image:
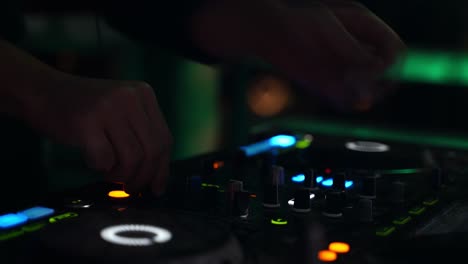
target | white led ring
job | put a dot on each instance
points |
(367, 146)
(111, 235)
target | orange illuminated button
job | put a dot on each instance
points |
(327, 256)
(119, 194)
(339, 247)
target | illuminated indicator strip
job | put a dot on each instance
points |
(160, 235)
(279, 141)
(385, 231)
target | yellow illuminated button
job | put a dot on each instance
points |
(430, 202)
(385, 231)
(417, 210)
(402, 220)
(327, 256)
(339, 247)
(118, 194)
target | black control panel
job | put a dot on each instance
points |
(286, 197)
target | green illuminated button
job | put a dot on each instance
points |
(402, 220)
(279, 221)
(57, 218)
(385, 231)
(33, 227)
(430, 202)
(417, 210)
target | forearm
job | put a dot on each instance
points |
(22, 79)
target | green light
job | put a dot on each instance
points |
(431, 202)
(402, 171)
(33, 227)
(11, 234)
(385, 231)
(210, 185)
(304, 142)
(279, 221)
(341, 129)
(57, 218)
(431, 66)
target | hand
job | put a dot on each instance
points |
(335, 49)
(117, 125)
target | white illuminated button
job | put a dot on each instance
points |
(114, 235)
(367, 146)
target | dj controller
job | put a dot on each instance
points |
(285, 197)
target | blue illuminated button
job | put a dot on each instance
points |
(37, 212)
(12, 220)
(298, 178)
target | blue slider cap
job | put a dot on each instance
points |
(12, 220)
(37, 212)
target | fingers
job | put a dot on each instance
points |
(158, 124)
(97, 148)
(139, 138)
(369, 29)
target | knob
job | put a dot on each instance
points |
(437, 179)
(273, 180)
(240, 204)
(301, 201)
(334, 203)
(398, 192)
(369, 186)
(364, 210)
(234, 187)
(339, 181)
(311, 179)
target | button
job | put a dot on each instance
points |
(302, 201)
(12, 220)
(61, 217)
(274, 178)
(430, 202)
(118, 194)
(417, 210)
(385, 231)
(402, 220)
(78, 203)
(365, 210)
(279, 221)
(327, 256)
(339, 247)
(37, 212)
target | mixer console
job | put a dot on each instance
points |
(286, 197)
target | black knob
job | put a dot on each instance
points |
(311, 179)
(274, 179)
(398, 192)
(339, 181)
(369, 186)
(234, 186)
(301, 201)
(437, 179)
(240, 204)
(364, 210)
(334, 203)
